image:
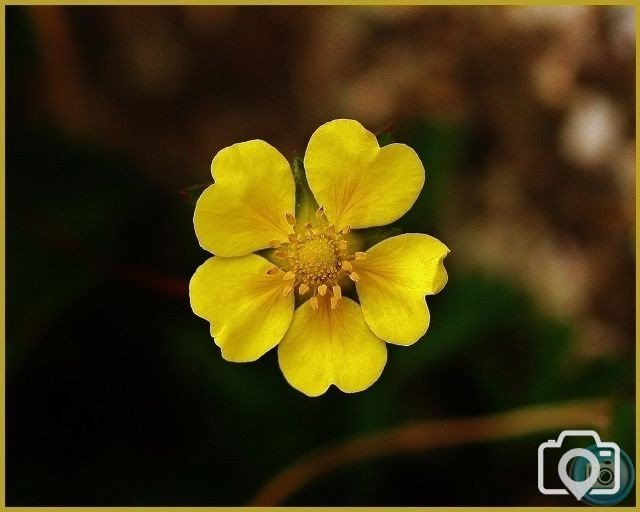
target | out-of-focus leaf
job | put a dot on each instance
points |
(439, 145)
(60, 239)
(467, 312)
(623, 430)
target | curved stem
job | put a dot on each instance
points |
(431, 434)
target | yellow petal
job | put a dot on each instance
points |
(245, 208)
(394, 279)
(243, 303)
(331, 346)
(358, 183)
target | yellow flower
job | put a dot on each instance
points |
(250, 301)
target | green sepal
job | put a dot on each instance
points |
(371, 236)
(192, 193)
(385, 136)
(306, 204)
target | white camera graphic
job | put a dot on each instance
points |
(602, 472)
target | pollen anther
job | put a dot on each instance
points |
(287, 290)
(291, 220)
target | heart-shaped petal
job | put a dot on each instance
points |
(243, 303)
(359, 183)
(331, 346)
(245, 208)
(394, 279)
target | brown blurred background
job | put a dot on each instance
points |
(524, 118)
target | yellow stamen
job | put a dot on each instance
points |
(317, 258)
(360, 255)
(354, 277)
(287, 290)
(308, 228)
(273, 271)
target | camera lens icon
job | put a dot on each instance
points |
(605, 478)
(601, 474)
(604, 490)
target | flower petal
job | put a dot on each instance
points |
(394, 279)
(244, 305)
(358, 183)
(331, 346)
(245, 208)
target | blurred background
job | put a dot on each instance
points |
(116, 394)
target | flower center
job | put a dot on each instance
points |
(315, 259)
